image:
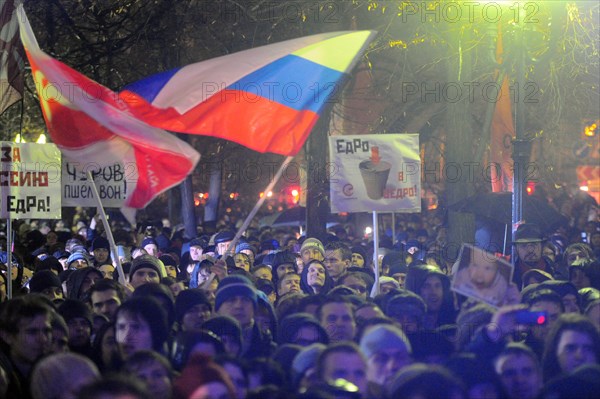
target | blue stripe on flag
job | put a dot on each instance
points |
(150, 87)
(292, 81)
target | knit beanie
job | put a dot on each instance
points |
(71, 309)
(232, 286)
(291, 324)
(79, 255)
(42, 280)
(148, 241)
(381, 337)
(100, 242)
(313, 243)
(244, 246)
(49, 263)
(224, 236)
(187, 299)
(406, 303)
(362, 251)
(147, 261)
(224, 325)
(282, 258)
(389, 280)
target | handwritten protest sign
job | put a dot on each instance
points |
(29, 181)
(114, 183)
(376, 172)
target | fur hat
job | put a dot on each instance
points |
(44, 279)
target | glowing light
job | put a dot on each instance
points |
(41, 139)
(295, 192)
(269, 194)
(368, 231)
(541, 319)
(19, 138)
(584, 188)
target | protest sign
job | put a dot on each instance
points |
(114, 183)
(481, 275)
(377, 172)
(29, 181)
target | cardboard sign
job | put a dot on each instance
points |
(114, 184)
(376, 172)
(29, 181)
(481, 275)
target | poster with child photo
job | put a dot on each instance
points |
(481, 275)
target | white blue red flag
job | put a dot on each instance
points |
(267, 98)
(93, 126)
(12, 57)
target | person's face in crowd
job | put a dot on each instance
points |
(262, 319)
(222, 247)
(105, 302)
(289, 283)
(194, 318)
(595, 240)
(211, 290)
(79, 264)
(249, 253)
(311, 253)
(203, 275)
(334, 263)
(368, 312)
(593, 313)
(284, 269)
(349, 366)
(32, 340)
(358, 260)
(384, 288)
(299, 264)
(240, 308)
(530, 252)
(108, 346)
(384, 364)
(549, 253)
(570, 303)
(401, 278)
(482, 271)
(132, 334)
(575, 348)
(196, 253)
(242, 261)
(575, 255)
(306, 335)
(408, 322)
(357, 284)
(79, 332)
(89, 280)
(553, 311)
(151, 249)
(337, 319)
(144, 275)
(520, 376)
(432, 293)
(176, 288)
(238, 378)
(156, 378)
(51, 238)
(264, 273)
(53, 293)
(108, 271)
(171, 271)
(100, 255)
(211, 390)
(60, 341)
(579, 279)
(232, 346)
(64, 263)
(316, 275)
(2, 290)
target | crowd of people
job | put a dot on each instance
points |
(278, 315)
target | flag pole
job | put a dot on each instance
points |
(259, 203)
(375, 289)
(109, 236)
(9, 285)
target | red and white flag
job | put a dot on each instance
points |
(92, 125)
(12, 56)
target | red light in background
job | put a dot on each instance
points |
(541, 320)
(530, 189)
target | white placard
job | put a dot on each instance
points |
(29, 181)
(114, 184)
(377, 172)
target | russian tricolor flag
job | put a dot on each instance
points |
(267, 98)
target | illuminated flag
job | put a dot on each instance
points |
(503, 132)
(267, 98)
(91, 125)
(11, 56)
